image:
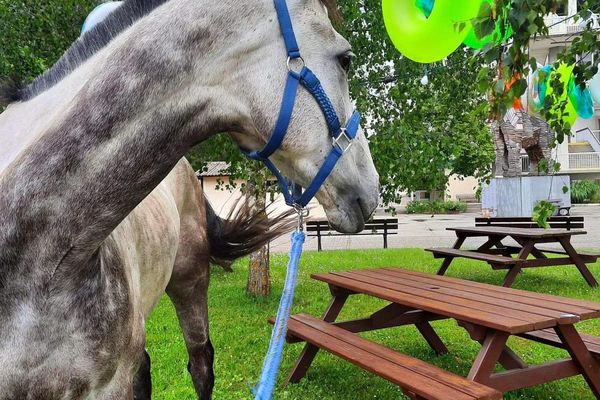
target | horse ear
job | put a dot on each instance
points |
(10, 91)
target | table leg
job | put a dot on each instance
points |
(310, 351)
(411, 395)
(574, 256)
(431, 337)
(491, 242)
(515, 269)
(483, 366)
(587, 364)
(508, 359)
(394, 311)
(460, 239)
(535, 252)
(511, 275)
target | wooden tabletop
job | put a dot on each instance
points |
(505, 309)
(517, 232)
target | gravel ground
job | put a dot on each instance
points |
(426, 231)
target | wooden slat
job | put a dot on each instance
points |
(578, 306)
(480, 317)
(514, 379)
(491, 258)
(548, 336)
(481, 296)
(410, 373)
(528, 219)
(517, 232)
(377, 224)
(533, 225)
(374, 221)
(493, 295)
(559, 251)
(427, 292)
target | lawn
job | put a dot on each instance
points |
(240, 333)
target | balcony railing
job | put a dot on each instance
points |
(559, 25)
(584, 161)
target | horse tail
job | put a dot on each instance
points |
(243, 232)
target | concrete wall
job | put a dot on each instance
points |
(462, 188)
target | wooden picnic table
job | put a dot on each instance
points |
(500, 255)
(490, 314)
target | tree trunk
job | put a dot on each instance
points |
(259, 280)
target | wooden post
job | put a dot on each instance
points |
(319, 248)
(385, 233)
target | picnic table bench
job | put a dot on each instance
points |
(376, 226)
(500, 255)
(490, 315)
(560, 222)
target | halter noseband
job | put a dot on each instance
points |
(342, 137)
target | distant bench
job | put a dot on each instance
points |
(567, 223)
(376, 226)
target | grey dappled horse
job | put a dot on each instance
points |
(98, 214)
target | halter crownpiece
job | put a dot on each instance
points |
(342, 137)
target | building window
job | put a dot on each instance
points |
(562, 8)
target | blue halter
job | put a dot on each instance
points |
(342, 137)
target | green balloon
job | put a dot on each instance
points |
(424, 39)
(565, 72)
(475, 43)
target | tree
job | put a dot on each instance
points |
(423, 133)
(510, 61)
(36, 33)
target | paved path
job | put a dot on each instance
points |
(427, 231)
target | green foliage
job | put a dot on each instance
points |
(422, 133)
(584, 191)
(541, 212)
(435, 207)
(511, 61)
(35, 34)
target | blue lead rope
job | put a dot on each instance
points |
(299, 75)
(266, 383)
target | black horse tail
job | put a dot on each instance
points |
(244, 231)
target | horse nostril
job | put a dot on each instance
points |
(364, 208)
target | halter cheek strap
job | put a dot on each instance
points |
(342, 138)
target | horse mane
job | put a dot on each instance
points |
(93, 41)
(334, 11)
(82, 49)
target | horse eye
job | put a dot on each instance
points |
(345, 61)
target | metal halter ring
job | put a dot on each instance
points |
(302, 213)
(343, 141)
(301, 65)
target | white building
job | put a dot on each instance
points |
(579, 155)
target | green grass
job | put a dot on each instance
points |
(240, 333)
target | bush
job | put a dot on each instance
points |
(36, 33)
(585, 191)
(435, 207)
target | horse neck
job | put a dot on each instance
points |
(119, 137)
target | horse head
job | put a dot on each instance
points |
(350, 194)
